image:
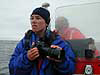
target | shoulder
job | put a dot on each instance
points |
(27, 36)
(21, 42)
(77, 34)
(59, 41)
(73, 29)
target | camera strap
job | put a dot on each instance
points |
(48, 39)
(28, 35)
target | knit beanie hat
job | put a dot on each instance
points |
(44, 13)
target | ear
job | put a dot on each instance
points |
(48, 21)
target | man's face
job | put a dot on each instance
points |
(38, 23)
(61, 22)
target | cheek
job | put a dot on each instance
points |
(42, 24)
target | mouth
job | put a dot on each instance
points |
(34, 25)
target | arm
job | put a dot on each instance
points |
(19, 63)
(68, 65)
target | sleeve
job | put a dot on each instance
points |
(68, 65)
(19, 62)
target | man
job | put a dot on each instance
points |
(33, 59)
(67, 33)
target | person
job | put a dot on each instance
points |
(30, 58)
(67, 32)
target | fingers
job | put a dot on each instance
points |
(33, 53)
(55, 46)
(56, 31)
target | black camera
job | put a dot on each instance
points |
(44, 50)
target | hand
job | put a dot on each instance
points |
(33, 53)
(56, 31)
(50, 58)
(55, 46)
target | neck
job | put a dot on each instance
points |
(41, 33)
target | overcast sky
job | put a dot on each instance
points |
(14, 15)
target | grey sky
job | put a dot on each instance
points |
(14, 15)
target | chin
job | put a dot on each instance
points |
(34, 30)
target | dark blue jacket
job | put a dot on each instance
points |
(20, 64)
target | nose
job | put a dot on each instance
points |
(33, 19)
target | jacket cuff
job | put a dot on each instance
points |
(26, 60)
